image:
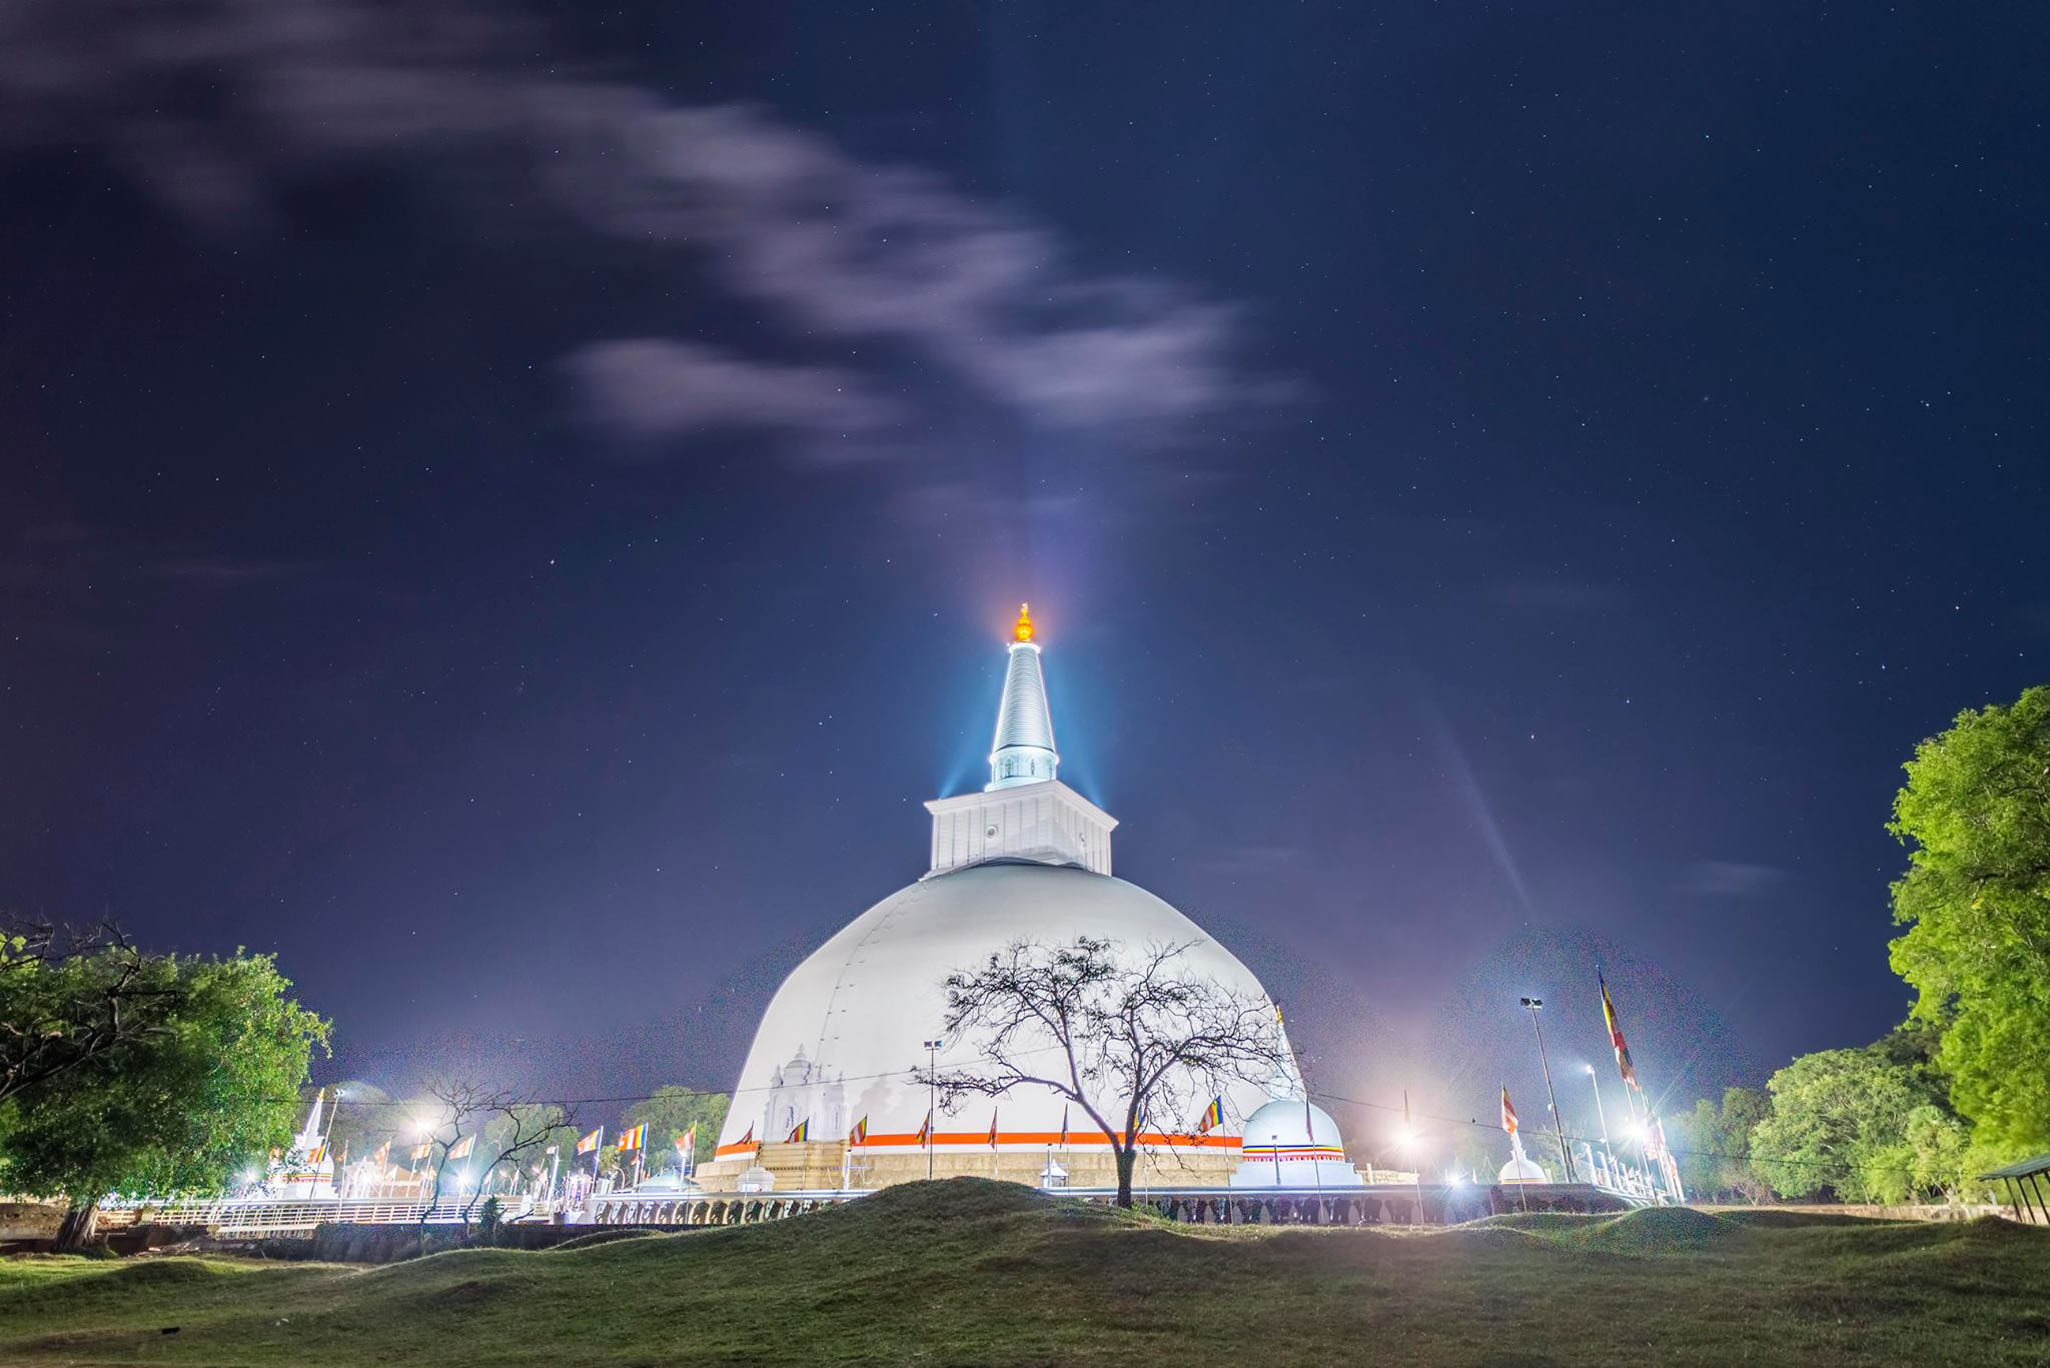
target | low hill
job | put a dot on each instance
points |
(972, 1272)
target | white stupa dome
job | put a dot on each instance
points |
(842, 1035)
(1281, 1150)
(1521, 1168)
(1025, 859)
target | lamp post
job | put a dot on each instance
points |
(1595, 1081)
(932, 1093)
(1410, 1143)
(1565, 1155)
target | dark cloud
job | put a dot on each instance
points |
(205, 103)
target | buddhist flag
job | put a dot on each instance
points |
(319, 1153)
(1508, 1112)
(422, 1150)
(992, 1127)
(461, 1148)
(632, 1138)
(589, 1143)
(925, 1131)
(1213, 1117)
(1623, 1064)
(801, 1134)
(859, 1135)
(383, 1153)
(1064, 1126)
(687, 1143)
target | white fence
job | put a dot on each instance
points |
(271, 1216)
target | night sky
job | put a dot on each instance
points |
(513, 509)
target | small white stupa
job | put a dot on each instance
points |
(307, 1170)
(1290, 1142)
(1521, 1168)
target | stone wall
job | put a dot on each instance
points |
(1922, 1211)
(816, 1166)
(29, 1220)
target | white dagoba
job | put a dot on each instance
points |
(1521, 1168)
(1026, 858)
(308, 1170)
(1291, 1142)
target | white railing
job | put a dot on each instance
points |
(271, 1216)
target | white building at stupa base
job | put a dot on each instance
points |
(827, 1098)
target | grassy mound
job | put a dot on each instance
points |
(1654, 1229)
(973, 1272)
(609, 1235)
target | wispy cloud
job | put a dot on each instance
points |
(1730, 878)
(225, 572)
(832, 246)
(654, 387)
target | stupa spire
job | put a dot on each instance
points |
(1023, 750)
(1025, 814)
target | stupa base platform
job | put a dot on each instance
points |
(1398, 1204)
(816, 1166)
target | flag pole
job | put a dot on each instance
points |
(932, 1099)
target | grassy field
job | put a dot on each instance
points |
(971, 1272)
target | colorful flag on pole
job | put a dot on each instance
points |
(1508, 1112)
(383, 1154)
(859, 1135)
(801, 1134)
(422, 1150)
(992, 1127)
(632, 1138)
(319, 1152)
(1623, 1064)
(1213, 1117)
(1064, 1126)
(687, 1143)
(589, 1143)
(461, 1148)
(925, 1131)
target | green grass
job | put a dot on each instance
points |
(971, 1272)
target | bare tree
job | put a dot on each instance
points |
(1124, 1036)
(467, 1120)
(72, 998)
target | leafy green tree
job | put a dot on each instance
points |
(176, 1112)
(1839, 1123)
(1975, 813)
(1713, 1145)
(69, 1000)
(1938, 1146)
(670, 1111)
